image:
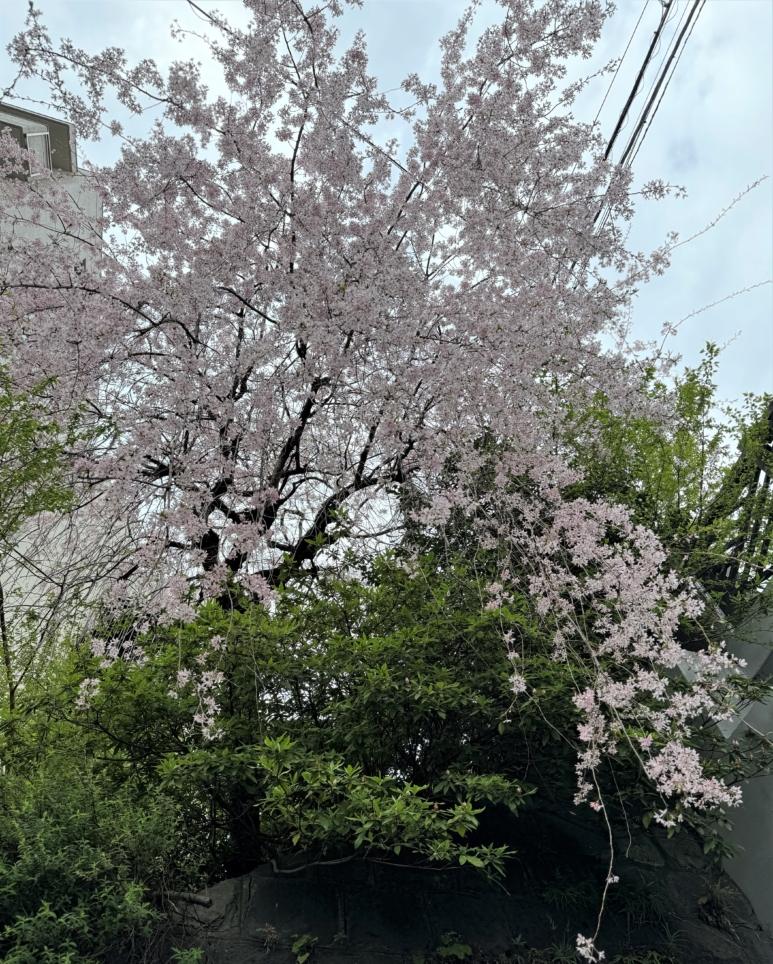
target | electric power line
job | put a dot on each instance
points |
(617, 69)
(640, 76)
(658, 70)
(679, 46)
(657, 88)
(697, 9)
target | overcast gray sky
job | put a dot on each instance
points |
(713, 134)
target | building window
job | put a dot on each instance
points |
(39, 146)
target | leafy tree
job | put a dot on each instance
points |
(87, 851)
(32, 478)
(369, 718)
(78, 857)
(692, 473)
(303, 321)
(339, 702)
(32, 481)
(128, 801)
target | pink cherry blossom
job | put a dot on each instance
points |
(287, 321)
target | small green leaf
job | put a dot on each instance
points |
(459, 951)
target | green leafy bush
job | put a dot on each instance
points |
(87, 850)
(77, 859)
(360, 718)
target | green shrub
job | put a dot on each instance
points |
(80, 860)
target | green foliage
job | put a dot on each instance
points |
(638, 905)
(33, 480)
(31, 459)
(565, 893)
(451, 946)
(358, 719)
(303, 947)
(565, 953)
(715, 905)
(193, 955)
(647, 956)
(666, 469)
(320, 803)
(685, 474)
(78, 858)
(86, 848)
(369, 717)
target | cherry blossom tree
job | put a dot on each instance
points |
(286, 325)
(289, 320)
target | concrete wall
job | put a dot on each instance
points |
(369, 913)
(18, 222)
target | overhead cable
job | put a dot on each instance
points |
(657, 89)
(620, 64)
(633, 147)
(664, 18)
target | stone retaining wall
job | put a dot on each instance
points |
(377, 914)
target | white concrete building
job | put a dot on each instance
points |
(53, 145)
(53, 561)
